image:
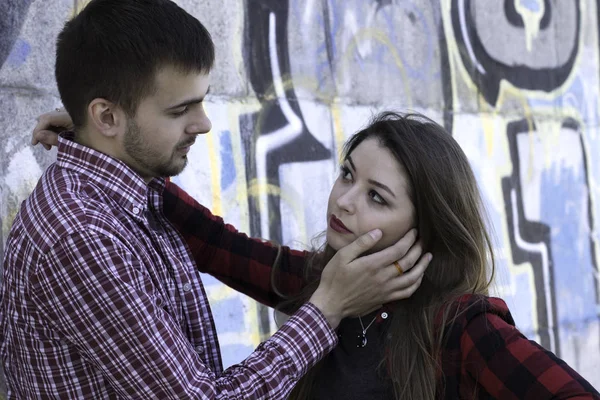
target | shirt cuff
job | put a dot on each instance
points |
(306, 337)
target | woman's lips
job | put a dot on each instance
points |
(338, 225)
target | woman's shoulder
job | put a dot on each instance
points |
(466, 309)
(472, 305)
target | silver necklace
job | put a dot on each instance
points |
(362, 337)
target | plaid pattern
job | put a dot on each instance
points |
(486, 357)
(101, 298)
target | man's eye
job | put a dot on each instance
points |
(180, 112)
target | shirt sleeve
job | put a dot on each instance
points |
(507, 365)
(243, 263)
(92, 291)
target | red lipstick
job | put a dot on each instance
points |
(338, 225)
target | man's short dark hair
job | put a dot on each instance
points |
(113, 49)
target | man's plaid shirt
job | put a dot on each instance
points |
(102, 299)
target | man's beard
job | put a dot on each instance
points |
(150, 159)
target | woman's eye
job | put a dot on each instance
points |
(345, 173)
(377, 198)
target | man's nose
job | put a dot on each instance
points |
(201, 125)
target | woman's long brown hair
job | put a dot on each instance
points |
(451, 225)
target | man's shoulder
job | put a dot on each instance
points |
(62, 204)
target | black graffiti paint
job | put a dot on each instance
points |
(488, 67)
(531, 232)
(270, 119)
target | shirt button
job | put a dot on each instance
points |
(384, 315)
(187, 287)
(136, 210)
(200, 349)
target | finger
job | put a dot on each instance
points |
(406, 280)
(40, 126)
(406, 292)
(410, 259)
(46, 137)
(359, 246)
(392, 253)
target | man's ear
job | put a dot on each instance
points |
(106, 117)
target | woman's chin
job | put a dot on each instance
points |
(334, 241)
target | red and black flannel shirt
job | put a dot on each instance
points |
(484, 353)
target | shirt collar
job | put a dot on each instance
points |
(113, 176)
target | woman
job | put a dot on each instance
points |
(449, 340)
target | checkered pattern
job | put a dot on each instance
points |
(101, 297)
(486, 357)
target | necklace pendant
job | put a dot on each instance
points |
(362, 340)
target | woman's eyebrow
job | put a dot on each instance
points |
(381, 185)
(371, 181)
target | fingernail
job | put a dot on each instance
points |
(429, 257)
(375, 234)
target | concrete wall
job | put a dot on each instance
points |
(515, 81)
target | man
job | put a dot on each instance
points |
(101, 295)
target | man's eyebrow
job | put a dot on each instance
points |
(381, 185)
(188, 102)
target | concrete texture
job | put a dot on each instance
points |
(517, 84)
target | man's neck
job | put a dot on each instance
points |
(96, 141)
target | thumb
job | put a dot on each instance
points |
(359, 246)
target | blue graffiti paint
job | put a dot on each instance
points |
(520, 299)
(229, 317)
(380, 52)
(566, 212)
(575, 92)
(531, 5)
(19, 53)
(227, 163)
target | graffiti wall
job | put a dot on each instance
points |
(517, 82)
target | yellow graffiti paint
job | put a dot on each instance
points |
(215, 174)
(338, 131)
(78, 6)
